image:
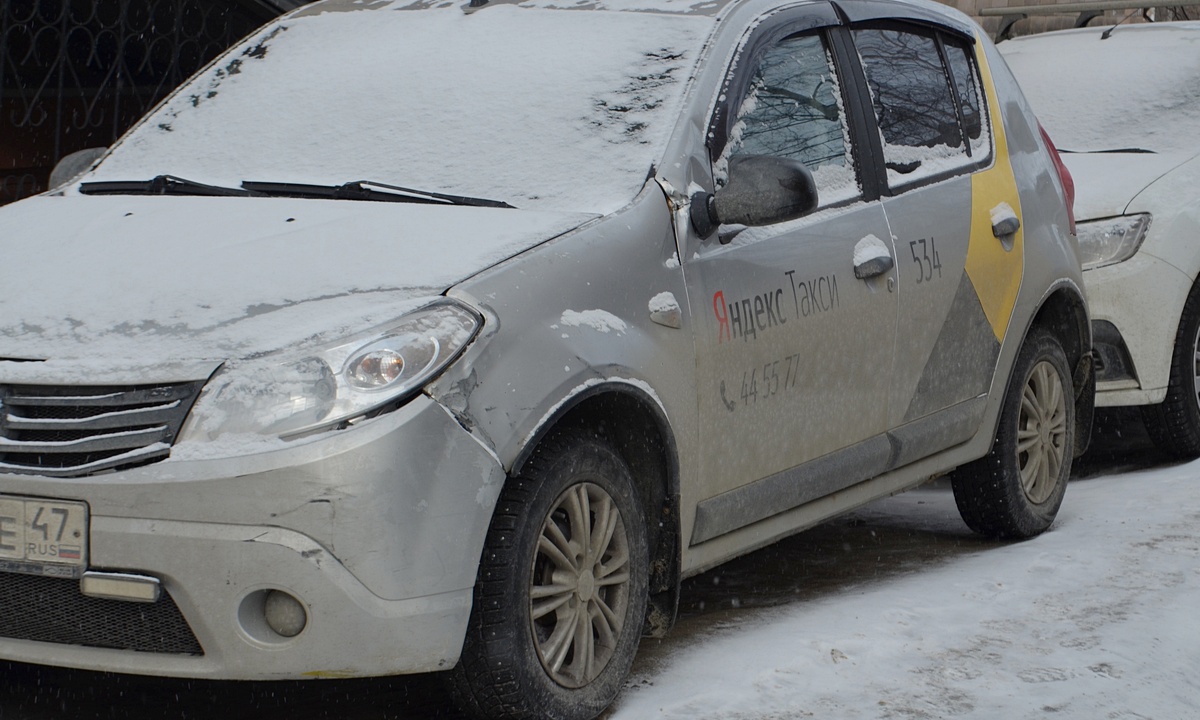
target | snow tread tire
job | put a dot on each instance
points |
(499, 675)
(988, 491)
(1174, 424)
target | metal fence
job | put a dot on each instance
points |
(77, 73)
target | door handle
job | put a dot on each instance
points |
(1004, 221)
(875, 266)
(872, 257)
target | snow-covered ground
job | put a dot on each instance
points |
(1097, 618)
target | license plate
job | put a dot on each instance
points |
(43, 537)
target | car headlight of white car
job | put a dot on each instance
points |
(335, 383)
(1111, 240)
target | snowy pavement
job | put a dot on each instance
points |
(1097, 618)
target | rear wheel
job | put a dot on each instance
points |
(1174, 424)
(1016, 489)
(561, 592)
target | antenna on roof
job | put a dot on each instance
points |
(1107, 33)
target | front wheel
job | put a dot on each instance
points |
(561, 592)
(1015, 490)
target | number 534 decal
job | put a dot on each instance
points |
(925, 255)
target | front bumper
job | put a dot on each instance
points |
(376, 529)
(1142, 298)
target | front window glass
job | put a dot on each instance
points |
(793, 109)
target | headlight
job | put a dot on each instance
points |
(336, 382)
(1109, 241)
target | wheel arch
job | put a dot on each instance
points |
(1063, 313)
(634, 422)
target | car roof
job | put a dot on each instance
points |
(672, 7)
(853, 10)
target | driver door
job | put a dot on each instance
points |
(794, 351)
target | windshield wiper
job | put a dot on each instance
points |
(367, 190)
(158, 185)
(1135, 150)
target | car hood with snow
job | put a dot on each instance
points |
(1097, 99)
(107, 268)
(125, 282)
(1107, 182)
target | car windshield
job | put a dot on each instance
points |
(1137, 88)
(539, 108)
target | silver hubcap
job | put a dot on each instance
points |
(1042, 432)
(580, 588)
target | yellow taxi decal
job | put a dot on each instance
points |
(994, 267)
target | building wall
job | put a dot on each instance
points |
(1043, 23)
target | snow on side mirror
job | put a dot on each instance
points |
(762, 190)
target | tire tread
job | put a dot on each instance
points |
(1174, 424)
(988, 491)
(488, 682)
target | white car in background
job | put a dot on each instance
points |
(1123, 105)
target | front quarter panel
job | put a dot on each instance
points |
(1174, 202)
(1144, 296)
(568, 317)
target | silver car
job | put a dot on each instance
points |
(415, 336)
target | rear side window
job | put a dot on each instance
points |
(966, 87)
(925, 94)
(794, 109)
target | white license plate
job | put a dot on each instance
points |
(43, 537)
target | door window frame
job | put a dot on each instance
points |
(939, 35)
(836, 26)
(806, 20)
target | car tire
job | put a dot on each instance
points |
(1016, 489)
(1174, 424)
(558, 608)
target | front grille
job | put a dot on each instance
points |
(65, 431)
(50, 609)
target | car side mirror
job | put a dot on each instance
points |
(762, 190)
(74, 165)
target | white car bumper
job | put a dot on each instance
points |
(1142, 298)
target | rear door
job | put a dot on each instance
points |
(945, 176)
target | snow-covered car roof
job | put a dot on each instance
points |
(690, 7)
(537, 107)
(1136, 88)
